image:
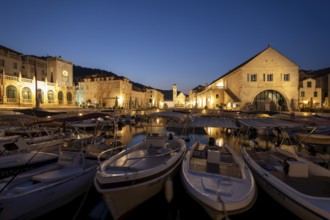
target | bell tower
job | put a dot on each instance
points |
(175, 92)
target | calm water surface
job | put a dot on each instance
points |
(183, 207)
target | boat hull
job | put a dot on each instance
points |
(45, 197)
(131, 177)
(121, 201)
(219, 194)
(301, 205)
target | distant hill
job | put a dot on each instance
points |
(81, 72)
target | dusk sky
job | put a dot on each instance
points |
(161, 42)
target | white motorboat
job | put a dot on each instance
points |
(41, 190)
(134, 175)
(295, 182)
(217, 176)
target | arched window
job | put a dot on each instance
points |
(27, 95)
(270, 100)
(69, 96)
(60, 96)
(50, 96)
(11, 92)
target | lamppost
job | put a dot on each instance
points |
(36, 82)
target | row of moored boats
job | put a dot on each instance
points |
(292, 166)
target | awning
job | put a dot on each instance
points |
(218, 122)
(260, 123)
(168, 114)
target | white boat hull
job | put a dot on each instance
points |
(218, 193)
(131, 177)
(302, 205)
(28, 201)
(122, 201)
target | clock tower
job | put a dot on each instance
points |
(61, 71)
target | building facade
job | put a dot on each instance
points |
(30, 81)
(115, 92)
(310, 96)
(267, 81)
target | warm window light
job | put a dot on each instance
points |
(120, 100)
(220, 141)
(220, 84)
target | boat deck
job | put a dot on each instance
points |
(226, 166)
(145, 157)
(312, 185)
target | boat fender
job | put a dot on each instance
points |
(169, 190)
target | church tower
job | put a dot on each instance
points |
(175, 92)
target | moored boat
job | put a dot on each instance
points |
(295, 182)
(139, 172)
(41, 190)
(216, 176)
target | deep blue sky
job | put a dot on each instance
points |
(162, 42)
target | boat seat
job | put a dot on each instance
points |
(297, 169)
(57, 175)
(213, 161)
(200, 154)
(213, 156)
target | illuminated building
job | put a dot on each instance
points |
(105, 91)
(24, 76)
(267, 81)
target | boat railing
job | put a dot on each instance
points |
(123, 148)
(149, 156)
(160, 153)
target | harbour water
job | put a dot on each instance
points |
(90, 206)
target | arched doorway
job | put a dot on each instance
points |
(270, 100)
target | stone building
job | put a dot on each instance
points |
(31, 81)
(155, 98)
(309, 94)
(174, 98)
(266, 81)
(322, 81)
(106, 91)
